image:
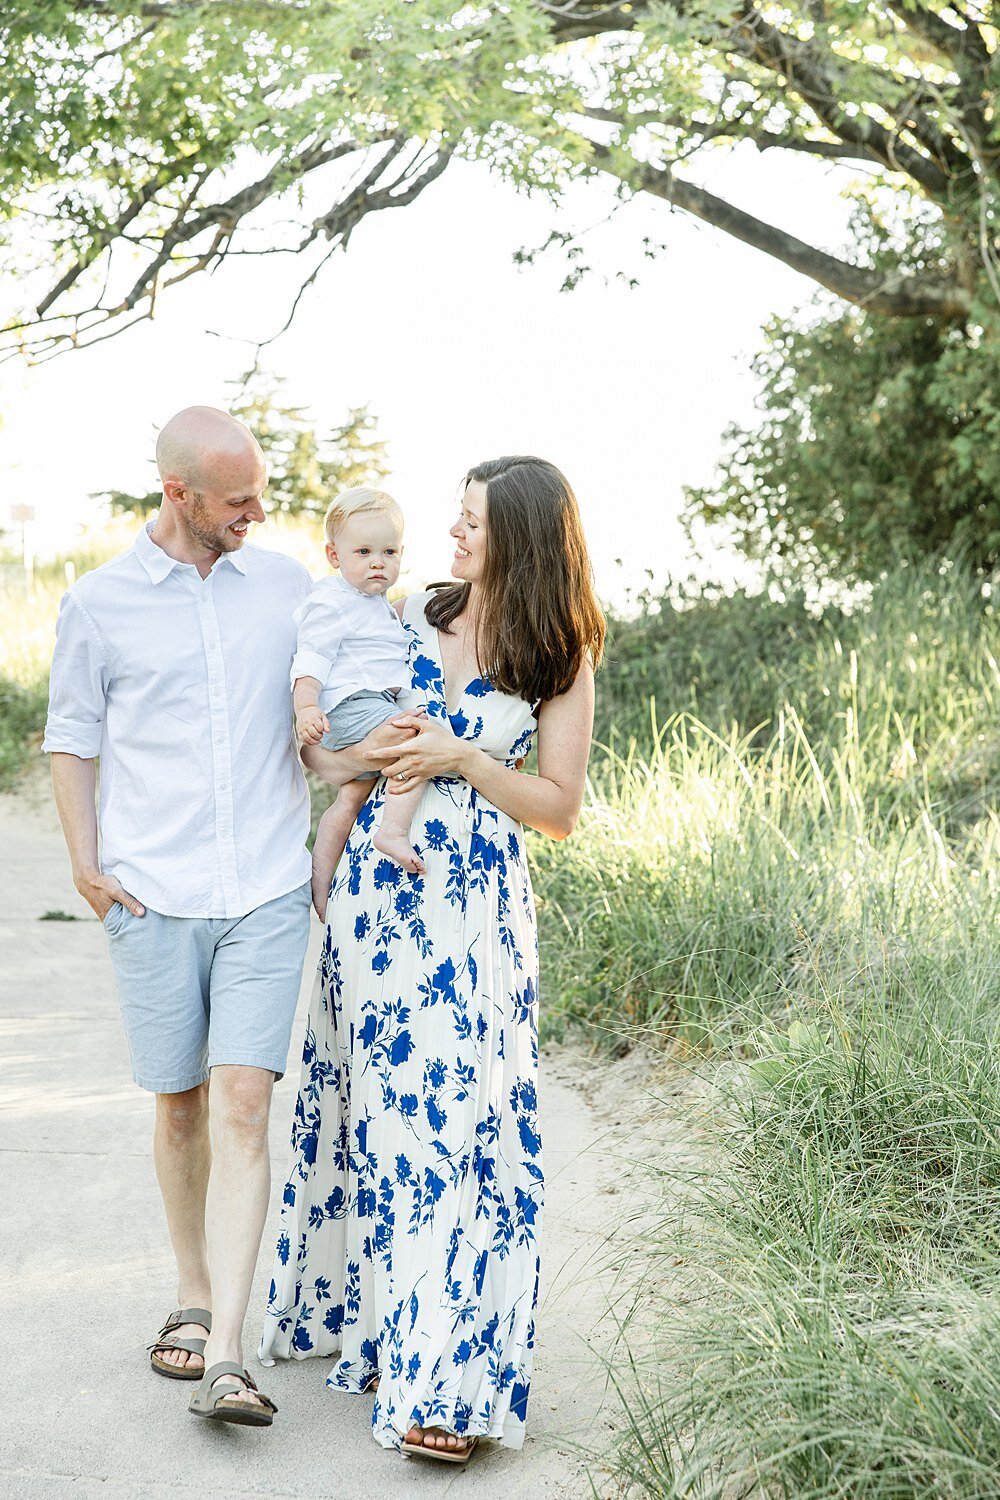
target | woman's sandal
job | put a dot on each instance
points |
(207, 1400)
(447, 1456)
(203, 1318)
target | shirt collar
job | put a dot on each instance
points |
(159, 564)
(348, 588)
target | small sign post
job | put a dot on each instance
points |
(23, 516)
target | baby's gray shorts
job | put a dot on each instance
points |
(355, 717)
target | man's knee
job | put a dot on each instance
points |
(183, 1116)
(241, 1102)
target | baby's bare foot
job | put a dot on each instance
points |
(398, 848)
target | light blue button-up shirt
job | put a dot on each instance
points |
(180, 685)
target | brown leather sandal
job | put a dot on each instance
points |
(203, 1318)
(207, 1399)
(452, 1456)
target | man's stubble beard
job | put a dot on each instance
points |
(199, 530)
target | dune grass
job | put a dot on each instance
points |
(840, 1255)
(723, 848)
(804, 906)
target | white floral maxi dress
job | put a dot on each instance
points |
(409, 1233)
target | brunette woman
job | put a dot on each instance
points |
(409, 1245)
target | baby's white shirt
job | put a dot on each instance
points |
(349, 641)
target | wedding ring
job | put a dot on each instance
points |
(400, 776)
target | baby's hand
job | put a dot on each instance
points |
(311, 724)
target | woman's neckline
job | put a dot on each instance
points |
(449, 708)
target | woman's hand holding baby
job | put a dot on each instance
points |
(433, 751)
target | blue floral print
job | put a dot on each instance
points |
(411, 1216)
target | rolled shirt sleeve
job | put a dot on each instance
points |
(78, 685)
(320, 622)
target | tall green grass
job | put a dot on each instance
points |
(924, 638)
(803, 901)
(840, 1249)
(718, 855)
(709, 878)
(27, 633)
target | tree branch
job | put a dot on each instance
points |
(165, 10)
(735, 130)
(364, 199)
(42, 337)
(801, 64)
(957, 43)
(225, 216)
(888, 295)
(342, 220)
(572, 22)
(798, 62)
(106, 237)
(972, 61)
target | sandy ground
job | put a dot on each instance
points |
(88, 1273)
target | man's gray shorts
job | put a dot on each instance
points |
(199, 991)
(354, 718)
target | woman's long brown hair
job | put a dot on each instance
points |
(538, 618)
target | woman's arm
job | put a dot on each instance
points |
(550, 801)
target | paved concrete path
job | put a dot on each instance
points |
(88, 1274)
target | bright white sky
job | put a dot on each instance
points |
(462, 356)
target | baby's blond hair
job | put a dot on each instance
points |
(360, 500)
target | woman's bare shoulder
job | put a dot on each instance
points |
(575, 705)
(410, 604)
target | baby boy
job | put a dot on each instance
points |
(350, 666)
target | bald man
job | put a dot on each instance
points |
(171, 668)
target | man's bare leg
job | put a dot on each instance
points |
(182, 1155)
(238, 1189)
(331, 836)
(393, 837)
